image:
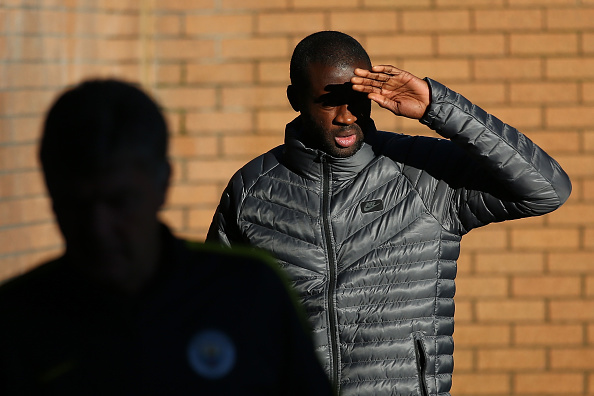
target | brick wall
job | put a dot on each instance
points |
(525, 300)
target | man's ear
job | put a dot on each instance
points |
(293, 96)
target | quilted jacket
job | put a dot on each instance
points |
(370, 242)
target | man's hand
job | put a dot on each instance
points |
(396, 90)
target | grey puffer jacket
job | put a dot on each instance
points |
(371, 241)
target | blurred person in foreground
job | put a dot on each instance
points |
(367, 224)
(129, 309)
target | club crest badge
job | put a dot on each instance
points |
(211, 354)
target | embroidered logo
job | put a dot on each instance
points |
(372, 206)
(211, 354)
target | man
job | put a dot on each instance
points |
(129, 309)
(367, 224)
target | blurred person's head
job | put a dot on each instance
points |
(104, 158)
(333, 115)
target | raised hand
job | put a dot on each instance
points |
(396, 90)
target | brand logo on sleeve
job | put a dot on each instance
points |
(372, 206)
(211, 354)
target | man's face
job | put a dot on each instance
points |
(333, 114)
(109, 220)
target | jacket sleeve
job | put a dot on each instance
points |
(505, 175)
(224, 229)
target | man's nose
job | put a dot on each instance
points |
(344, 115)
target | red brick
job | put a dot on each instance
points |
(188, 98)
(292, 23)
(544, 92)
(515, 310)
(508, 69)
(392, 3)
(565, 116)
(439, 69)
(589, 238)
(25, 102)
(590, 286)
(227, 122)
(546, 286)
(213, 170)
(174, 218)
(254, 4)
(15, 157)
(436, 21)
(399, 44)
(273, 72)
(574, 310)
(184, 5)
(489, 238)
(200, 218)
(543, 44)
(254, 48)
(479, 335)
(475, 286)
(328, 3)
(525, 116)
(557, 141)
(21, 184)
(573, 18)
(219, 24)
(588, 43)
(183, 49)
(481, 93)
(167, 24)
(190, 194)
(193, 146)
(511, 359)
(168, 74)
(221, 73)
(588, 189)
(464, 359)
(464, 313)
(273, 121)
(540, 3)
(570, 68)
(471, 44)
(25, 210)
(549, 383)
(22, 129)
(573, 214)
(30, 237)
(548, 334)
(546, 238)
(508, 19)
(250, 146)
(576, 165)
(254, 97)
(481, 384)
(364, 21)
(509, 263)
(572, 358)
(587, 94)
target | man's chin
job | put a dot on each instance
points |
(344, 152)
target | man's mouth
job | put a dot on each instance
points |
(345, 141)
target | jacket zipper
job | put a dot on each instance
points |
(332, 275)
(421, 365)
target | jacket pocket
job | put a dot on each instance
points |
(421, 363)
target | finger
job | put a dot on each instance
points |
(365, 88)
(387, 69)
(366, 81)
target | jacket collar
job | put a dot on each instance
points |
(307, 162)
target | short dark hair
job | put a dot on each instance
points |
(328, 48)
(98, 119)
